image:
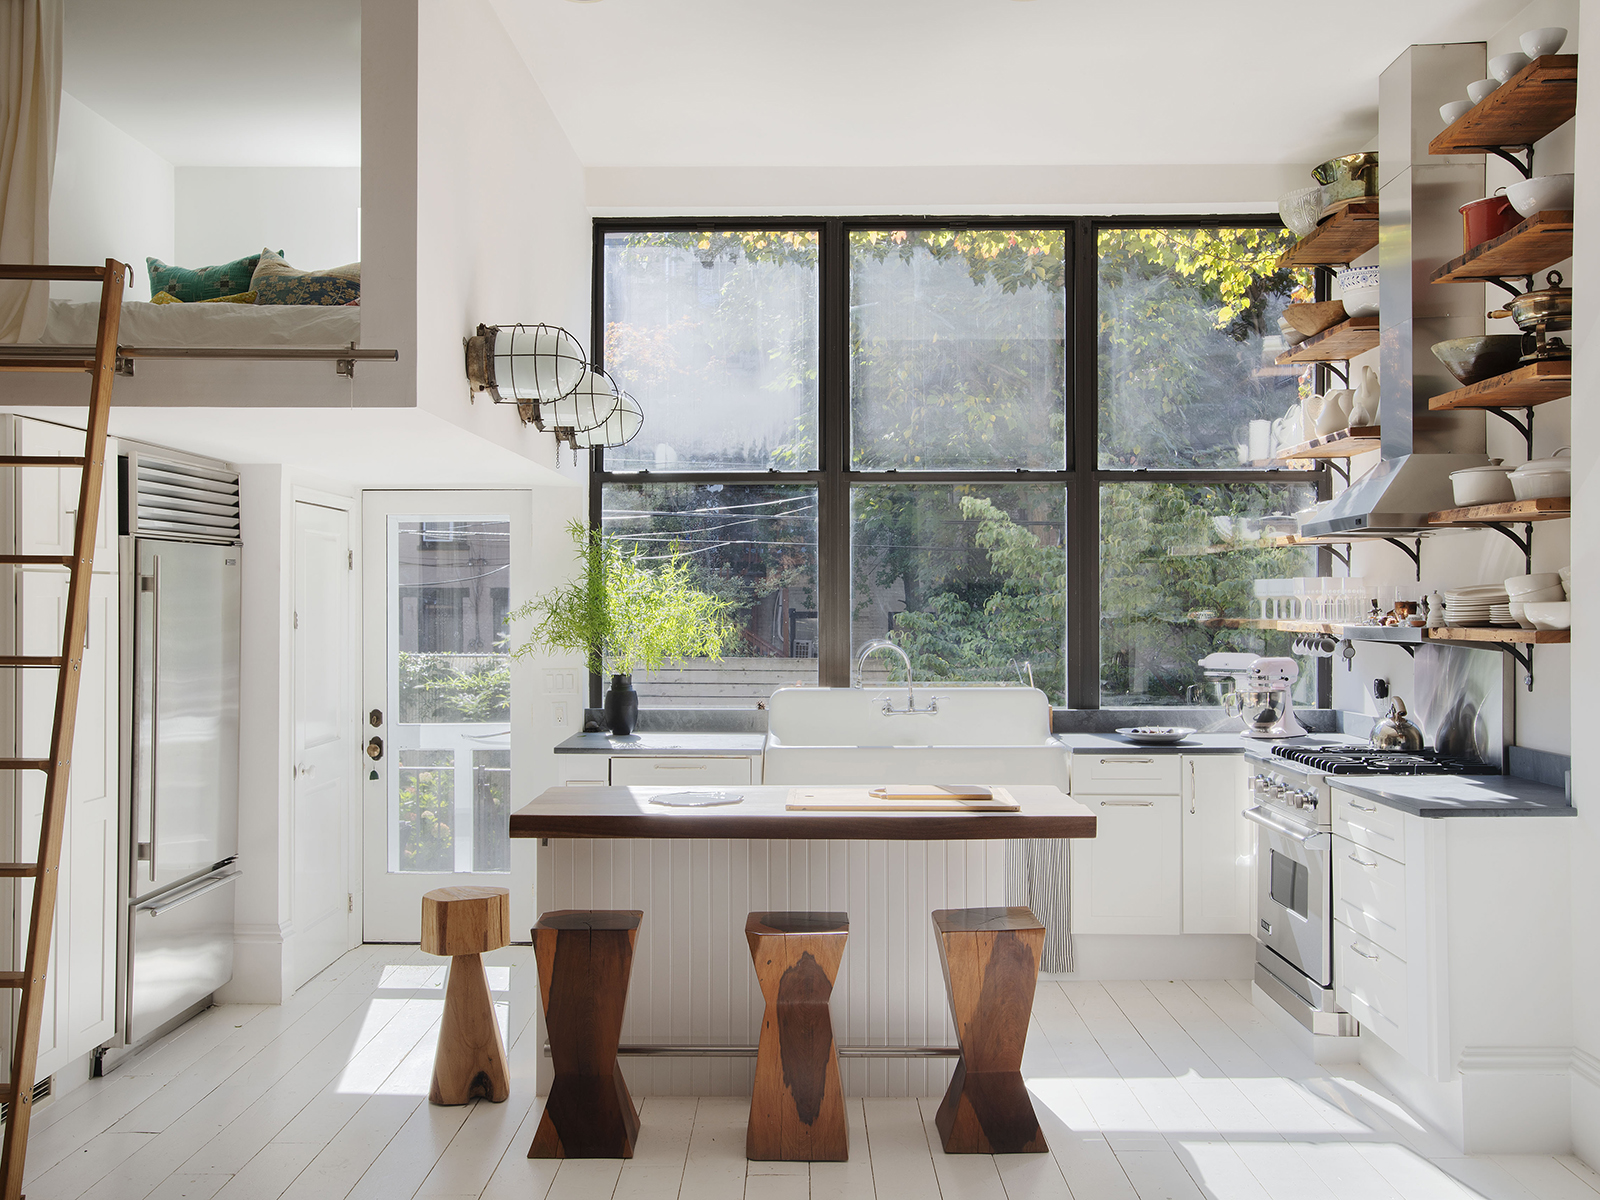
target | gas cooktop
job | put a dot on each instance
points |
(1346, 760)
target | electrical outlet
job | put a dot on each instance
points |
(558, 713)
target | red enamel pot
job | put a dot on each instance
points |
(1486, 219)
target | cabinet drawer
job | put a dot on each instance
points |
(1370, 983)
(1126, 774)
(1369, 894)
(1370, 824)
(583, 770)
(678, 771)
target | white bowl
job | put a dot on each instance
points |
(1520, 585)
(1481, 485)
(1566, 580)
(1548, 485)
(1541, 193)
(1542, 596)
(1554, 614)
(1504, 66)
(1518, 615)
(1358, 288)
(1538, 42)
(1455, 110)
(1480, 88)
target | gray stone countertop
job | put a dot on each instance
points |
(1195, 743)
(663, 743)
(1461, 795)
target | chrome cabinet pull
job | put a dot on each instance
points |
(1362, 952)
(155, 700)
(1124, 759)
(1358, 862)
(1191, 787)
(680, 767)
(1126, 803)
(1361, 807)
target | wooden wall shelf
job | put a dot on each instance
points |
(1512, 512)
(1338, 241)
(1541, 97)
(1541, 241)
(1489, 633)
(1535, 383)
(1344, 341)
(1346, 443)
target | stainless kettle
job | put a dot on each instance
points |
(1396, 731)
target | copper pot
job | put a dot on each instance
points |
(1486, 219)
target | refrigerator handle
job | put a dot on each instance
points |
(153, 583)
(208, 883)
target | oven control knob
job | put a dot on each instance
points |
(1308, 800)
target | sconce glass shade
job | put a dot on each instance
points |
(516, 364)
(620, 428)
(587, 406)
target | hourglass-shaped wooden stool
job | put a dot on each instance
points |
(585, 959)
(991, 965)
(463, 922)
(796, 1103)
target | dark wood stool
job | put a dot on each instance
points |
(797, 1104)
(991, 965)
(584, 962)
(470, 1060)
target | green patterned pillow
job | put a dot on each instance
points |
(201, 283)
(276, 282)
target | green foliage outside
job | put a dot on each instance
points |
(427, 807)
(622, 614)
(451, 689)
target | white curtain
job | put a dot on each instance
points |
(30, 106)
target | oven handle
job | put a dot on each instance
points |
(1312, 840)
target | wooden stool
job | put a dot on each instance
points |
(991, 964)
(797, 1104)
(584, 962)
(470, 1061)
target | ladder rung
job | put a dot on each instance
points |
(40, 460)
(24, 764)
(18, 870)
(31, 660)
(46, 364)
(36, 560)
(12, 979)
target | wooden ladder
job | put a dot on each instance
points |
(45, 872)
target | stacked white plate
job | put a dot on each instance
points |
(1499, 614)
(1476, 605)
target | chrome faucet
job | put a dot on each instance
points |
(873, 647)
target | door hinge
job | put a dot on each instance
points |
(350, 560)
(297, 620)
(349, 902)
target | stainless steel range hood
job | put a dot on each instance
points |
(1419, 228)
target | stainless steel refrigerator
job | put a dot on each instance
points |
(180, 678)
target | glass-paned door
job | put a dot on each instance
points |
(439, 681)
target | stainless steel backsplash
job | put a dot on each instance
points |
(1464, 701)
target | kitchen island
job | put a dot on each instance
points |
(697, 872)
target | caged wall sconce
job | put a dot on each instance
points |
(543, 370)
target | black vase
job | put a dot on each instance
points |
(622, 705)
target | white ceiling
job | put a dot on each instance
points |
(259, 83)
(973, 82)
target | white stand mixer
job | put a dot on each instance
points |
(1265, 701)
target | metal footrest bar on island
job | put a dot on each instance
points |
(671, 1050)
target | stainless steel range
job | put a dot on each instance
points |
(1291, 790)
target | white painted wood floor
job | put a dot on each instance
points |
(1148, 1091)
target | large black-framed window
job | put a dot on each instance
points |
(800, 374)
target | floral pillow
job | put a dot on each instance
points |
(276, 282)
(239, 298)
(201, 283)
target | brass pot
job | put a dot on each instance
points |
(1352, 177)
(1548, 309)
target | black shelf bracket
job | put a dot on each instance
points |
(1523, 425)
(1506, 152)
(1344, 376)
(1413, 552)
(1342, 557)
(1343, 472)
(1522, 541)
(1512, 289)
(1525, 659)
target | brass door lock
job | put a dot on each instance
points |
(375, 748)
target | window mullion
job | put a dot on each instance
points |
(833, 498)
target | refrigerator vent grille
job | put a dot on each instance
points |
(41, 1090)
(188, 501)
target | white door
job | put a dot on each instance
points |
(1128, 877)
(325, 753)
(441, 572)
(1218, 845)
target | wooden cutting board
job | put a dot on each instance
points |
(902, 798)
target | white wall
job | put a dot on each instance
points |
(112, 197)
(1585, 700)
(310, 213)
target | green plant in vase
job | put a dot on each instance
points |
(623, 614)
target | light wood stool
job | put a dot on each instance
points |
(463, 922)
(585, 959)
(796, 1104)
(991, 966)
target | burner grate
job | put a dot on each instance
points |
(1344, 760)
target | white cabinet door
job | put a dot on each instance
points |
(583, 770)
(1128, 877)
(47, 499)
(1217, 845)
(678, 771)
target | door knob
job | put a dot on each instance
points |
(375, 748)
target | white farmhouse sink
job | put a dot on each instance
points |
(978, 735)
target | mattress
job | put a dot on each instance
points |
(74, 323)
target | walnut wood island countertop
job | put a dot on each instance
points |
(626, 812)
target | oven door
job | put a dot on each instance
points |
(1294, 898)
